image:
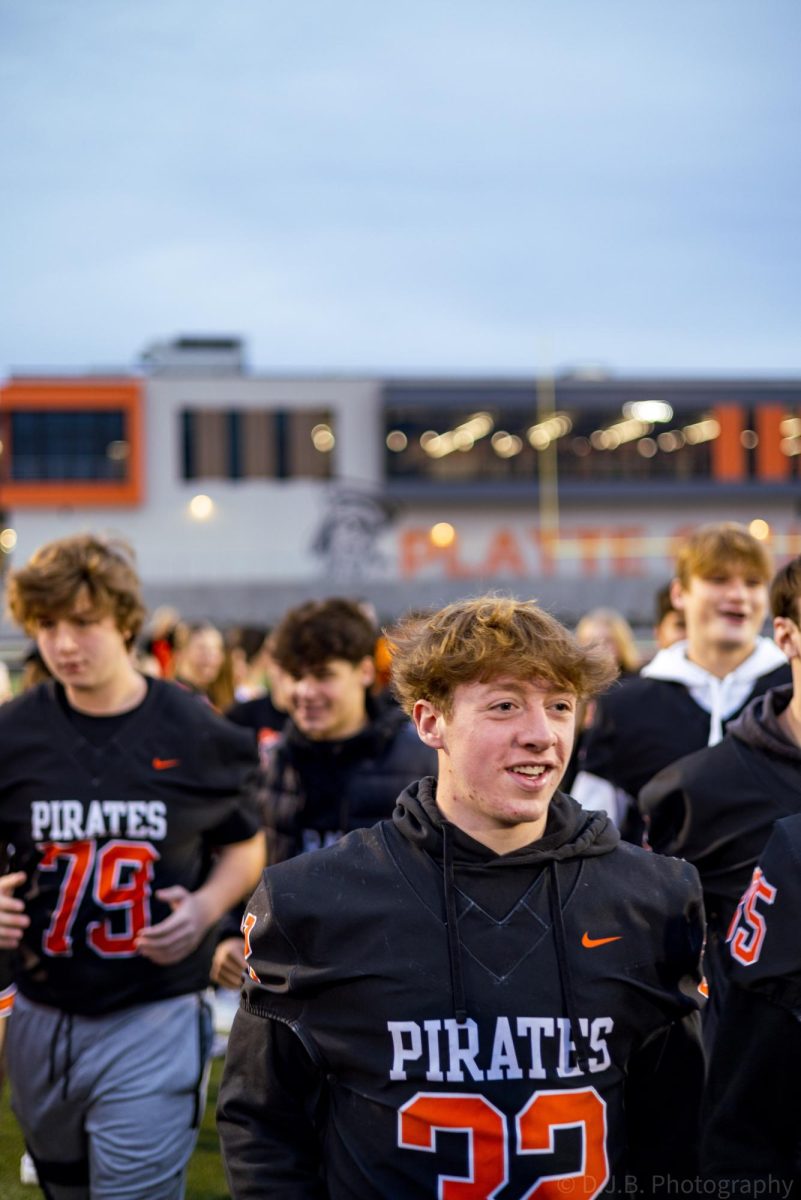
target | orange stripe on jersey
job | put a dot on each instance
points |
(7, 1001)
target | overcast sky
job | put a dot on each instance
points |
(492, 186)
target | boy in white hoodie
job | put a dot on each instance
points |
(683, 699)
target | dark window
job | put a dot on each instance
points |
(66, 444)
(256, 444)
(494, 434)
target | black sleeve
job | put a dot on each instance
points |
(267, 1113)
(665, 807)
(752, 1108)
(664, 1086)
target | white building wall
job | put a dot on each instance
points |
(260, 530)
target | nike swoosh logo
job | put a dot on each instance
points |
(164, 764)
(591, 943)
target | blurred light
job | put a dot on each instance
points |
(790, 427)
(463, 437)
(670, 440)
(1, 447)
(397, 441)
(702, 431)
(8, 540)
(749, 439)
(506, 445)
(790, 446)
(323, 439)
(540, 436)
(201, 507)
(649, 411)
(616, 435)
(647, 447)
(759, 529)
(117, 451)
(442, 535)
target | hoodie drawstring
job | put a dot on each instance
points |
(452, 928)
(560, 944)
(64, 1022)
(563, 967)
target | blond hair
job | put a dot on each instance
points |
(721, 545)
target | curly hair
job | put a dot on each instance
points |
(49, 583)
(313, 633)
(474, 641)
(785, 590)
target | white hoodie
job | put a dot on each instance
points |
(719, 697)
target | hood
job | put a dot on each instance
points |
(570, 832)
(758, 725)
(719, 697)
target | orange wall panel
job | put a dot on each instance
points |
(80, 394)
(728, 452)
(772, 464)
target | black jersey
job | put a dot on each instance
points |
(98, 828)
(717, 807)
(753, 1104)
(644, 725)
(418, 1014)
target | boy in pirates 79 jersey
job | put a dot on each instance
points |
(488, 995)
(127, 806)
(752, 1126)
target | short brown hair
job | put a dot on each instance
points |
(473, 641)
(711, 547)
(785, 590)
(313, 633)
(50, 581)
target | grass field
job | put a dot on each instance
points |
(205, 1180)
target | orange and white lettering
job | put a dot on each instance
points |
(487, 1141)
(748, 927)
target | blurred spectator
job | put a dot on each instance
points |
(159, 639)
(670, 625)
(608, 628)
(202, 663)
(250, 659)
(266, 715)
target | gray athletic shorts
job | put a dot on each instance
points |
(110, 1105)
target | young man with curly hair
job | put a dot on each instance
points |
(487, 993)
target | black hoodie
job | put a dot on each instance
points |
(422, 1007)
(717, 807)
(317, 790)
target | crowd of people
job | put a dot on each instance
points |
(511, 911)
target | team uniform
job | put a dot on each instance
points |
(716, 808)
(317, 790)
(101, 812)
(752, 1121)
(422, 1012)
(672, 708)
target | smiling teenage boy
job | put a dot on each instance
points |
(486, 993)
(341, 758)
(125, 805)
(683, 699)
